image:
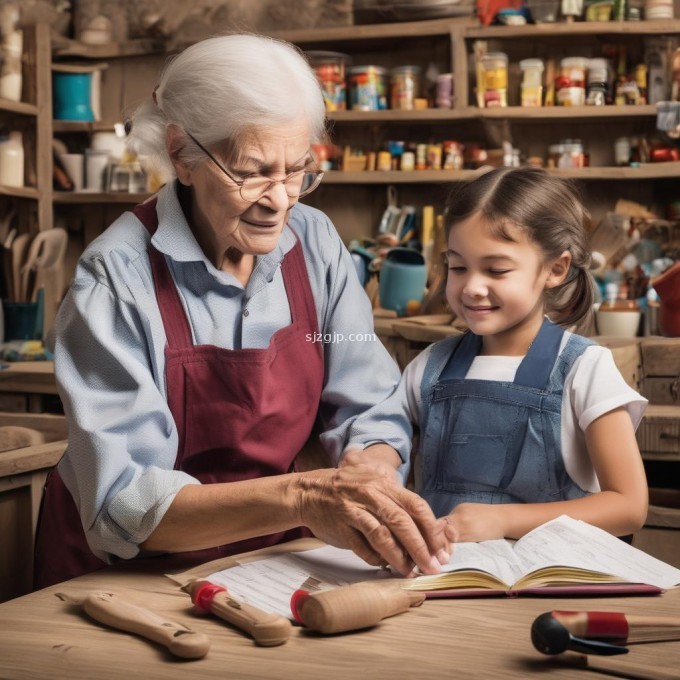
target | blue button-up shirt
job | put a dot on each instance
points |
(109, 346)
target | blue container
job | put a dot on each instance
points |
(24, 320)
(72, 94)
(403, 276)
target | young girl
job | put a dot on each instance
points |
(520, 420)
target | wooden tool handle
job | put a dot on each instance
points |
(354, 607)
(268, 630)
(111, 610)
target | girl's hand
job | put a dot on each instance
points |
(478, 521)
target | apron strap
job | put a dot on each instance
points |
(175, 321)
(462, 357)
(534, 370)
(537, 365)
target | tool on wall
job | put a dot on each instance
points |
(268, 630)
(112, 610)
(351, 607)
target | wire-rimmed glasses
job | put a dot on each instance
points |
(252, 188)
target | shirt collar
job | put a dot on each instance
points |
(175, 238)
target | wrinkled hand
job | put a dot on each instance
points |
(478, 521)
(364, 507)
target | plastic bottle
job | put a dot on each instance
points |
(11, 159)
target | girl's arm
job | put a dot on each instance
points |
(620, 507)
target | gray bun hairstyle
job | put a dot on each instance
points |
(226, 88)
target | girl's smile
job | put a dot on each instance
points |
(496, 284)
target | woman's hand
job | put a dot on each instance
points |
(474, 522)
(363, 507)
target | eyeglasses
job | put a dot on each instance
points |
(297, 184)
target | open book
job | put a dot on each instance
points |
(562, 557)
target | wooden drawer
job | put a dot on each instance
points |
(662, 390)
(661, 370)
(659, 433)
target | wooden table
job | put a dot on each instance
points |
(24, 384)
(486, 638)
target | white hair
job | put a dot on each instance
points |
(223, 88)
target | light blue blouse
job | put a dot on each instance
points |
(109, 342)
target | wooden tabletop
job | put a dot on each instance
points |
(36, 377)
(486, 638)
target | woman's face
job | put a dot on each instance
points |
(222, 219)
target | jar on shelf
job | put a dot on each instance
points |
(444, 96)
(532, 82)
(494, 79)
(404, 87)
(452, 152)
(368, 88)
(598, 77)
(570, 85)
(330, 72)
(11, 159)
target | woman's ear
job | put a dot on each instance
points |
(175, 141)
(558, 270)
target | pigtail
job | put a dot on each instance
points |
(571, 304)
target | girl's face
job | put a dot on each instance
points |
(496, 286)
(222, 217)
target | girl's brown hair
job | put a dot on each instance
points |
(550, 212)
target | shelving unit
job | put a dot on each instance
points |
(32, 116)
(355, 200)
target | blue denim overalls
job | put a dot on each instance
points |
(487, 441)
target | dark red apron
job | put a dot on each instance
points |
(240, 414)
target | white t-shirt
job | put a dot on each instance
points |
(593, 387)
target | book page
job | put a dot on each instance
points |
(572, 543)
(270, 582)
(494, 557)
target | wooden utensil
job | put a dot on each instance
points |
(19, 251)
(268, 630)
(112, 610)
(351, 607)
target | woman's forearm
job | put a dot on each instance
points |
(207, 515)
(361, 507)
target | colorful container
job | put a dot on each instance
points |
(368, 88)
(494, 79)
(404, 87)
(330, 71)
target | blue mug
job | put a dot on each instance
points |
(72, 96)
(403, 276)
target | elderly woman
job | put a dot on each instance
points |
(187, 352)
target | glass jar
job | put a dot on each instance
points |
(494, 79)
(532, 82)
(404, 87)
(368, 88)
(330, 72)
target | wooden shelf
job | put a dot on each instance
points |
(576, 28)
(81, 126)
(396, 116)
(131, 48)
(574, 113)
(18, 107)
(644, 171)
(406, 29)
(19, 192)
(84, 197)
(501, 113)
